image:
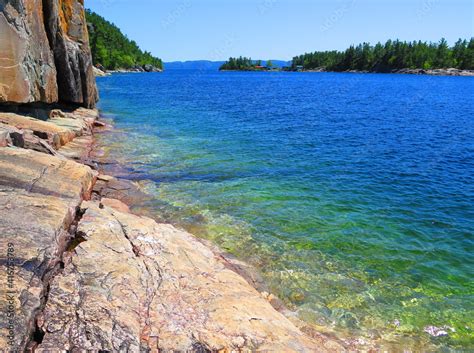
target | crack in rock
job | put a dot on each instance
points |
(38, 178)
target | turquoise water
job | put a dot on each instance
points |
(353, 194)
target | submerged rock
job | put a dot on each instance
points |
(438, 331)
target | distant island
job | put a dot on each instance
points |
(112, 50)
(247, 64)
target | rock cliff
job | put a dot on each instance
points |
(44, 53)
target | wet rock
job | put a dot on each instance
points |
(135, 284)
(39, 196)
(297, 297)
(120, 189)
(99, 124)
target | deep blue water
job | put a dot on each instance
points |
(352, 193)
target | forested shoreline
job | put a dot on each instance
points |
(391, 56)
(112, 50)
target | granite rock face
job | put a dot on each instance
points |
(27, 70)
(67, 33)
(44, 53)
(134, 285)
(39, 196)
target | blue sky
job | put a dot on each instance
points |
(280, 29)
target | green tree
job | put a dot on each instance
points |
(112, 49)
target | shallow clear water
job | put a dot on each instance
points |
(352, 193)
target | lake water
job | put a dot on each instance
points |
(352, 193)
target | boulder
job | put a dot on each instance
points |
(150, 68)
(56, 113)
(33, 142)
(101, 67)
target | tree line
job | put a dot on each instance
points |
(112, 49)
(393, 55)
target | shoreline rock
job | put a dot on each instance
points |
(111, 279)
(431, 72)
(39, 195)
(156, 288)
(99, 73)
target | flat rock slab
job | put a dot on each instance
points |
(59, 130)
(132, 284)
(78, 149)
(39, 196)
(54, 134)
(44, 174)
